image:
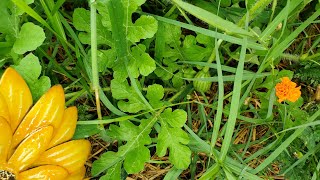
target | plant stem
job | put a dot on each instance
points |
(212, 56)
(95, 75)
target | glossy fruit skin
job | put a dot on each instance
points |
(202, 86)
(35, 141)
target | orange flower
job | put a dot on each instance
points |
(35, 140)
(287, 90)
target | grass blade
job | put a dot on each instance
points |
(57, 6)
(212, 19)
(234, 104)
(284, 145)
(211, 33)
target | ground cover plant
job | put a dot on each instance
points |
(172, 89)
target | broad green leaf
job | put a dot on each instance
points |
(130, 6)
(194, 52)
(171, 51)
(106, 161)
(40, 86)
(85, 131)
(174, 139)
(136, 158)
(81, 21)
(155, 93)
(9, 21)
(30, 69)
(30, 37)
(140, 62)
(285, 73)
(106, 59)
(103, 10)
(172, 41)
(135, 152)
(168, 72)
(122, 91)
(113, 173)
(144, 27)
(177, 118)
(177, 80)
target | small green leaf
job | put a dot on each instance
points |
(144, 27)
(155, 92)
(136, 158)
(103, 10)
(106, 59)
(9, 22)
(122, 91)
(106, 161)
(140, 61)
(113, 173)
(30, 37)
(39, 87)
(285, 73)
(193, 52)
(177, 118)
(175, 139)
(172, 137)
(85, 131)
(135, 152)
(81, 21)
(177, 80)
(30, 69)
(127, 131)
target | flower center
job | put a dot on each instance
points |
(7, 175)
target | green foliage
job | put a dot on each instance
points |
(148, 55)
(30, 69)
(139, 63)
(138, 137)
(172, 137)
(122, 90)
(309, 74)
(27, 32)
(144, 27)
(81, 21)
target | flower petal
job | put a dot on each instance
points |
(5, 139)
(47, 111)
(4, 111)
(9, 168)
(48, 172)
(71, 155)
(31, 148)
(67, 127)
(17, 95)
(77, 175)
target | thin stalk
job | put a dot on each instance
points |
(235, 101)
(217, 121)
(108, 89)
(95, 75)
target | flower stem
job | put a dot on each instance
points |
(95, 75)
